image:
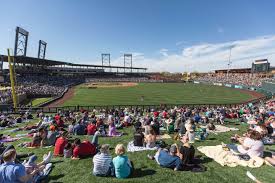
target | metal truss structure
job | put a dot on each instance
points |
(128, 62)
(42, 49)
(21, 42)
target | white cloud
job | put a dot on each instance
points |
(179, 43)
(209, 56)
(164, 52)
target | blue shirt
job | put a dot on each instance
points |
(165, 159)
(11, 172)
(79, 129)
(122, 166)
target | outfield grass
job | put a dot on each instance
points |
(37, 101)
(147, 171)
(157, 93)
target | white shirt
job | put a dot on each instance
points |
(256, 147)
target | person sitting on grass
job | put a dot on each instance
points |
(51, 136)
(127, 120)
(168, 159)
(38, 139)
(155, 126)
(151, 139)
(122, 164)
(138, 138)
(79, 129)
(190, 130)
(60, 144)
(103, 162)
(10, 172)
(86, 148)
(186, 152)
(251, 145)
(68, 151)
(112, 129)
(91, 128)
(71, 127)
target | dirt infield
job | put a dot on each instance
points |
(254, 94)
(109, 85)
(60, 102)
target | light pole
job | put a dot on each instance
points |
(229, 63)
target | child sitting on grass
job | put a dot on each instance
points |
(68, 150)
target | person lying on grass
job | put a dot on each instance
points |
(44, 167)
(271, 159)
(102, 162)
(168, 159)
(11, 172)
(122, 165)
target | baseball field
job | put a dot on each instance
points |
(147, 171)
(153, 94)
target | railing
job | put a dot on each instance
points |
(109, 107)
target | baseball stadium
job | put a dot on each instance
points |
(75, 121)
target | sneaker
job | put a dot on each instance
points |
(47, 158)
(47, 169)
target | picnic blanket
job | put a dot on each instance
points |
(221, 129)
(227, 158)
(132, 148)
(9, 139)
(164, 136)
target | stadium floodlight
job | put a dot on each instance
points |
(229, 62)
(21, 42)
(106, 60)
(128, 62)
(42, 49)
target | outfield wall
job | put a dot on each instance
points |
(267, 89)
(269, 86)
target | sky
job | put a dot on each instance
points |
(162, 35)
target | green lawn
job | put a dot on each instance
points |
(38, 101)
(157, 93)
(147, 171)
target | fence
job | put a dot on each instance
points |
(109, 107)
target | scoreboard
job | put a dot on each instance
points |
(260, 66)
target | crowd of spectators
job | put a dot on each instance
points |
(234, 78)
(63, 129)
(48, 86)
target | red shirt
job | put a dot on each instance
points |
(84, 149)
(91, 129)
(57, 117)
(60, 123)
(156, 114)
(59, 146)
(164, 114)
